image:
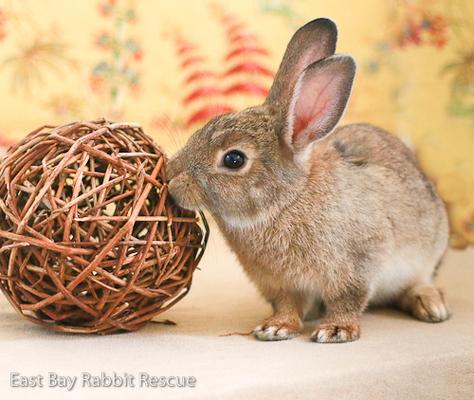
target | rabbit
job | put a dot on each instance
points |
(321, 218)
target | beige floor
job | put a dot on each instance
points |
(396, 358)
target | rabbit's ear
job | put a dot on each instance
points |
(318, 101)
(312, 42)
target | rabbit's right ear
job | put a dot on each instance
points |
(312, 42)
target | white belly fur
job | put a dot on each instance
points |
(401, 270)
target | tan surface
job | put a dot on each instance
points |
(397, 357)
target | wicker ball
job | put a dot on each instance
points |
(89, 240)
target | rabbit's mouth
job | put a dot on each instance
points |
(181, 191)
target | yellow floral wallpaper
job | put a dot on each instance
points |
(171, 65)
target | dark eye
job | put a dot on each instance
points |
(234, 159)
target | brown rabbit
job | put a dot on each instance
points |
(343, 218)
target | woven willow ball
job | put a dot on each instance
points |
(89, 240)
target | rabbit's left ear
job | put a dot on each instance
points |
(319, 99)
(310, 43)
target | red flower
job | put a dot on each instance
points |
(437, 24)
(248, 67)
(200, 74)
(439, 42)
(244, 50)
(250, 88)
(437, 30)
(414, 34)
(191, 60)
(204, 91)
(207, 112)
(138, 55)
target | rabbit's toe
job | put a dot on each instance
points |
(336, 333)
(274, 332)
(430, 309)
(426, 303)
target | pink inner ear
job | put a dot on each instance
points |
(312, 107)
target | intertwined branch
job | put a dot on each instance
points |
(89, 240)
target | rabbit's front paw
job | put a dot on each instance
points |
(336, 333)
(276, 330)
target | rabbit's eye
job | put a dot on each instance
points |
(234, 159)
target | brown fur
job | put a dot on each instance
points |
(327, 228)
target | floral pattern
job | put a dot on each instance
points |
(116, 74)
(173, 65)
